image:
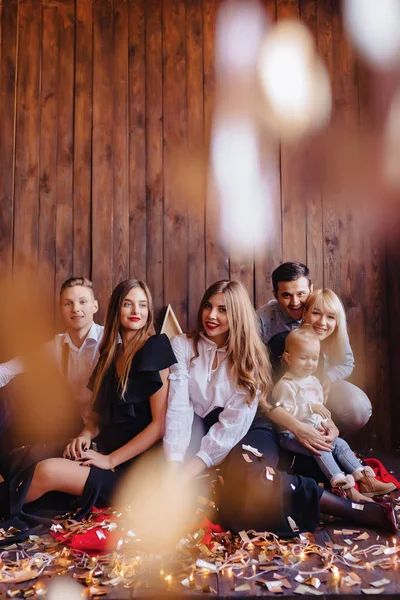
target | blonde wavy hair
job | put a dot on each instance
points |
(326, 300)
(247, 355)
(305, 332)
(112, 330)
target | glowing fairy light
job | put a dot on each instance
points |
(374, 29)
(294, 81)
(335, 572)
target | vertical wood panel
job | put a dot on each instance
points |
(330, 232)
(102, 155)
(217, 260)
(293, 206)
(27, 135)
(269, 254)
(313, 201)
(154, 152)
(64, 210)
(242, 269)
(83, 137)
(196, 209)
(48, 154)
(349, 219)
(137, 141)
(8, 48)
(381, 314)
(120, 269)
(393, 311)
(175, 140)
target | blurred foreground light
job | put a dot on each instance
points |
(64, 588)
(44, 407)
(374, 26)
(239, 31)
(294, 81)
(241, 188)
(161, 506)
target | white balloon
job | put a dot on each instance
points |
(374, 26)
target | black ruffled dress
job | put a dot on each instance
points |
(121, 420)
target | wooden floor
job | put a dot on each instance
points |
(332, 535)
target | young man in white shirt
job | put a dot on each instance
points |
(350, 407)
(76, 351)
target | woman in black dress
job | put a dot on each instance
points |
(130, 389)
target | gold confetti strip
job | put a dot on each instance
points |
(362, 536)
(345, 531)
(380, 583)
(305, 589)
(252, 450)
(245, 587)
(247, 458)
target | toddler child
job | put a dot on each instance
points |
(301, 394)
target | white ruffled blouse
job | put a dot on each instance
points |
(197, 388)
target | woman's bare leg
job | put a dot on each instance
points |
(57, 474)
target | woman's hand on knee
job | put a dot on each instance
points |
(95, 459)
(77, 447)
(311, 439)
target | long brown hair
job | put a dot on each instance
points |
(247, 356)
(112, 329)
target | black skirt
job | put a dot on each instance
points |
(250, 499)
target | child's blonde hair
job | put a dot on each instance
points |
(304, 333)
(326, 300)
(247, 355)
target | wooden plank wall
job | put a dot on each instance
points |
(100, 99)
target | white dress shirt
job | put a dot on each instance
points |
(198, 388)
(296, 395)
(80, 364)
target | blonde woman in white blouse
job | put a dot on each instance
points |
(222, 375)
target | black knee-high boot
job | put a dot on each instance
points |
(375, 514)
